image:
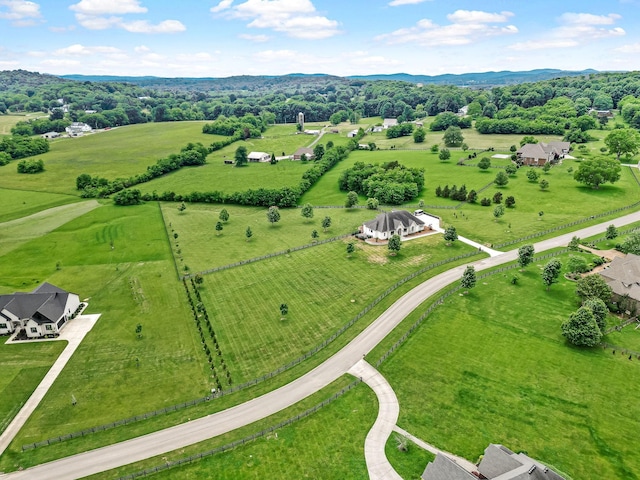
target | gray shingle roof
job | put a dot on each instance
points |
(623, 275)
(44, 305)
(443, 468)
(500, 463)
(388, 221)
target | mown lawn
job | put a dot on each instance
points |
(494, 368)
(328, 444)
(119, 152)
(19, 203)
(23, 367)
(409, 463)
(323, 289)
(201, 247)
(119, 259)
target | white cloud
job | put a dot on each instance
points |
(398, 3)
(575, 29)
(102, 7)
(476, 16)
(254, 38)
(466, 26)
(295, 18)
(101, 15)
(81, 50)
(629, 48)
(21, 13)
(223, 5)
(588, 19)
(143, 26)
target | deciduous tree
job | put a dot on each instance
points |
(551, 272)
(525, 255)
(273, 215)
(502, 179)
(450, 234)
(611, 233)
(581, 329)
(326, 223)
(623, 141)
(351, 200)
(593, 286)
(597, 171)
(468, 280)
(241, 156)
(307, 211)
(394, 244)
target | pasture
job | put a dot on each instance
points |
(119, 152)
(20, 203)
(494, 368)
(201, 247)
(323, 288)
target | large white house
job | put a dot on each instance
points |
(387, 224)
(259, 157)
(41, 313)
(77, 129)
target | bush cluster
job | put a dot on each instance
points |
(21, 147)
(31, 166)
(389, 183)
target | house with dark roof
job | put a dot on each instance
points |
(537, 154)
(498, 463)
(41, 313)
(307, 152)
(387, 224)
(623, 276)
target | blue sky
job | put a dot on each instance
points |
(220, 38)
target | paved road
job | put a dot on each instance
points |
(173, 438)
(378, 465)
(73, 332)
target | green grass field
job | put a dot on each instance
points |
(310, 448)
(23, 367)
(321, 289)
(8, 121)
(19, 203)
(410, 463)
(494, 368)
(119, 152)
(201, 247)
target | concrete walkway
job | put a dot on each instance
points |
(463, 462)
(73, 332)
(479, 246)
(378, 466)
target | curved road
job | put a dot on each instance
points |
(180, 436)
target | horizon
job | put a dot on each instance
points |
(225, 38)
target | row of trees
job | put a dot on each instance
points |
(17, 146)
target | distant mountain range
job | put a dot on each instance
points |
(505, 77)
(466, 79)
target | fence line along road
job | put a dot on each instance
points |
(179, 436)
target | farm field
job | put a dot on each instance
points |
(244, 300)
(16, 232)
(119, 152)
(495, 369)
(201, 247)
(216, 176)
(20, 203)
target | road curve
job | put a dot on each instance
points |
(179, 436)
